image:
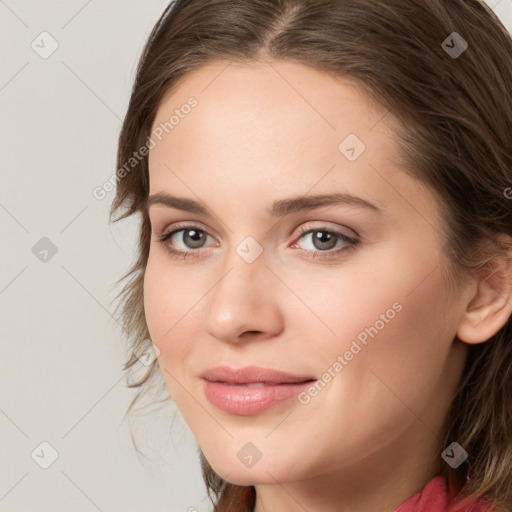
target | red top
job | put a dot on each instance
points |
(434, 498)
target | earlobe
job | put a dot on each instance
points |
(490, 307)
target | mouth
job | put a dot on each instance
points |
(251, 390)
(251, 384)
(252, 375)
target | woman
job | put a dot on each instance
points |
(324, 261)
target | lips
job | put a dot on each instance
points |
(252, 375)
(251, 390)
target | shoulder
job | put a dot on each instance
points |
(434, 496)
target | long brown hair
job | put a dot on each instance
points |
(455, 132)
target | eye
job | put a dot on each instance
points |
(325, 242)
(191, 236)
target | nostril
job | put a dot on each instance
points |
(250, 333)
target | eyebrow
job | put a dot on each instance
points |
(280, 208)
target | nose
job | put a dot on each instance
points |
(244, 302)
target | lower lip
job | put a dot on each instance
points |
(246, 401)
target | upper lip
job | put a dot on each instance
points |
(251, 374)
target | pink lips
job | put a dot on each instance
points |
(250, 390)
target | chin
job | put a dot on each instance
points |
(262, 471)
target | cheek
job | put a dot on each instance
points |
(157, 298)
(397, 357)
(168, 296)
(169, 311)
(389, 321)
(381, 300)
(174, 310)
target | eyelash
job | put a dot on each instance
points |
(351, 242)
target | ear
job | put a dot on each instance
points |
(490, 306)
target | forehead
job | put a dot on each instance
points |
(270, 102)
(261, 109)
(273, 126)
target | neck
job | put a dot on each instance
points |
(379, 483)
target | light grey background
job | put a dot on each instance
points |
(61, 350)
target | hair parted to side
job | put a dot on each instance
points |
(455, 134)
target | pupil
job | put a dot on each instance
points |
(322, 238)
(195, 239)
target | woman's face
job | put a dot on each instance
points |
(309, 252)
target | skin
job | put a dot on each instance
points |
(263, 132)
